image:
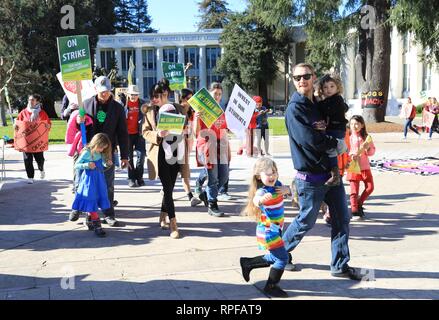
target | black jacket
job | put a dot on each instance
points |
(114, 125)
(334, 109)
(308, 145)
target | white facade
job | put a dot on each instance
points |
(200, 48)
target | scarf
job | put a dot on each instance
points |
(35, 111)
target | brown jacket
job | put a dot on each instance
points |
(149, 132)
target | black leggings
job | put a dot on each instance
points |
(168, 175)
(29, 162)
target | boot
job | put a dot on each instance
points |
(271, 288)
(98, 228)
(335, 178)
(214, 210)
(203, 197)
(88, 223)
(162, 220)
(174, 229)
(248, 264)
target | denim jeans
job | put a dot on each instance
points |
(278, 258)
(311, 196)
(408, 124)
(109, 179)
(202, 178)
(137, 145)
(216, 178)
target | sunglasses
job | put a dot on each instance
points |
(306, 76)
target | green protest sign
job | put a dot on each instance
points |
(74, 58)
(174, 72)
(204, 102)
(172, 122)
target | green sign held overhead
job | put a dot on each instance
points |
(171, 122)
(74, 58)
(203, 102)
(174, 72)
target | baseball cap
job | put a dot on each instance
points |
(102, 84)
(257, 99)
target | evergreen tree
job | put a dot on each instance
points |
(214, 14)
(124, 16)
(251, 54)
(142, 20)
(31, 41)
(329, 32)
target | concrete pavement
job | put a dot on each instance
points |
(44, 256)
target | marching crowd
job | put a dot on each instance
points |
(324, 146)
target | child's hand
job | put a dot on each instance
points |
(365, 146)
(92, 165)
(109, 163)
(354, 157)
(319, 125)
(284, 190)
(266, 197)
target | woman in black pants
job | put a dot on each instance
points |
(166, 151)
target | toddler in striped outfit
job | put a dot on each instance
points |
(266, 204)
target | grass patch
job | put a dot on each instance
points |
(56, 135)
(277, 125)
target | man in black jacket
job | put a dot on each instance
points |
(109, 117)
(309, 147)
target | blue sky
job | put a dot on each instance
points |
(181, 15)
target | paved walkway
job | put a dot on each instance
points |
(41, 252)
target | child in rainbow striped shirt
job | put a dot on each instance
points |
(266, 204)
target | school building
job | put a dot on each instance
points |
(409, 76)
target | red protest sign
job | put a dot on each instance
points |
(31, 136)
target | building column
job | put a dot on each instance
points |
(159, 60)
(139, 70)
(181, 55)
(347, 71)
(415, 71)
(203, 71)
(97, 62)
(118, 57)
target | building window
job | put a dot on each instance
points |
(170, 55)
(149, 60)
(212, 56)
(107, 59)
(406, 43)
(406, 78)
(192, 55)
(426, 77)
(148, 83)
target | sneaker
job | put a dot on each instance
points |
(30, 181)
(132, 183)
(74, 215)
(203, 197)
(42, 175)
(110, 221)
(214, 210)
(195, 201)
(224, 197)
(115, 203)
(141, 183)
(350, 273)
(357, 215)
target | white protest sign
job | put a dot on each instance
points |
(87, 89)
(239, 111)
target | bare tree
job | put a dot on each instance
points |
(9, 76)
